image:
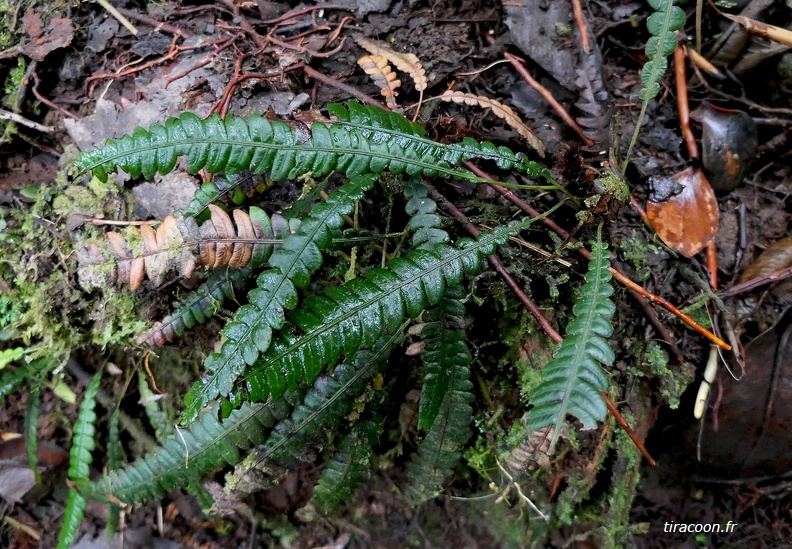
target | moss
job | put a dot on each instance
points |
(624, 483)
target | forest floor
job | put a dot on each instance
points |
(77, 77)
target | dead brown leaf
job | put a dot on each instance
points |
(43, 40)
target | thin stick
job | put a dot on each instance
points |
(580, 22)
(682, 102)
(115, 13)
(351, 90)
(158, 26)
(517, 63)
(19, 119)
(757, 282)
(627, 429)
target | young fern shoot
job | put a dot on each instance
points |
(666, 19)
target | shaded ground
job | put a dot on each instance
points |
(101, 82)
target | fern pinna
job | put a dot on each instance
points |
(573, 379)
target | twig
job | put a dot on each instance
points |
(517, 63)
(627, 429)
(158, 26)
(580, 22)
(757, 282)
(351, 90)
(19, 119)
(682, 102)
(115, 13)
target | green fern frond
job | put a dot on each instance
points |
(444, 409)
(31, 429)
(199, 306)
(661, 24)
(347, 318)
(443, 334)
(190, 453)
(424, 222)
(364, 140)
(83, 443)
(573, 379)
(250, 333)
(330, 399)
(348, 467)
(114, 457)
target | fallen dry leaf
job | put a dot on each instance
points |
(776, 257)
(683, 210)
(57, 34)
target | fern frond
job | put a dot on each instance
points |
(114, 457)
(190, 453)
(31, 429)
(443, 334)
(444, 408)
(352, 316)
(573, 379)
(383, 76)
(424, 222)
(206, 300)
(83, 443)
(330, 399)
(408, 140)
(180, 244)
(348, 467)
(364, 140)
(661, 24)
(406, 62)
(250, 333)
(500, 110)
(201, 305)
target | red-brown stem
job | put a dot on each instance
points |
(757, 282)
(351, 90)
(580, 21)
(302, 11)
(621, 277)
(682, 102)
(627, 429)
(517, 63)
(158, 26)
(712, 264)
(446, 204)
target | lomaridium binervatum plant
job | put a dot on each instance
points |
(297, 359)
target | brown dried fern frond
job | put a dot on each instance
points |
(179, 244)
(383, 76)
(405, 62)
(501, 111)
(531, 453)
